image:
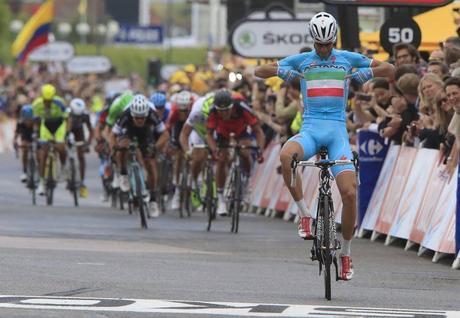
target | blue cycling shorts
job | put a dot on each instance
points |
(316, 133)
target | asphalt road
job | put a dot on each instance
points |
(91, 253)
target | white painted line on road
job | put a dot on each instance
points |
(94, 264)
(209, 308)
(73, 302)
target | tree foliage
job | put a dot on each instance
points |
(5, 39)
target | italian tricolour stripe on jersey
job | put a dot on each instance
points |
(325, 84)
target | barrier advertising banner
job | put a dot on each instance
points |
(457, 227)
(438, 227)
(433, 191)
(373, 209)
(414, 192)
(395, 190)
(372, 153)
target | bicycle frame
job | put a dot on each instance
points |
(234, 187)
(51, 171)
(325, 242)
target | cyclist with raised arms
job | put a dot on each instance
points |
(230, 116)
(140, 121)
(325, 74)
(51, 116)
(79, 117)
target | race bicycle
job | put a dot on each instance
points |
(235, 185)
(165, 180)
(51, 171)
(137, 186)
(32, 170)
(325, 242)
(73, 182)
(185, 189)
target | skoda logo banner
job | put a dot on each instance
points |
(270, 38)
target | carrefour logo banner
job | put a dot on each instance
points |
(372, 153)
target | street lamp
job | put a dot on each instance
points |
(112, 29)
(16, 26)
(83, 29)
(101, 32)
(64, 29)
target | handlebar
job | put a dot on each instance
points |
(322, 164)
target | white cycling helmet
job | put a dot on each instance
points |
(139, 106)
(323, 28)
(183, 99)
(78, 106)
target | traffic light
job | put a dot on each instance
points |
(154, 71)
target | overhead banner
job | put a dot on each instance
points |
(270, 38)
(89, 64)
(53, 52)
(137, 34)
(372, 153)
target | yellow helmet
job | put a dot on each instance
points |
(48, 91)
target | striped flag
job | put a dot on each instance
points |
(34, 33)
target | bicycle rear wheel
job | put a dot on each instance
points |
(140, 199)
(31, 178)
(184, 196)
(73, 181)
(50, 182)
(327, 253)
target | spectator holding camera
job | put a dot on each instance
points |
(378, 100)
(434, 136)
(401, 114)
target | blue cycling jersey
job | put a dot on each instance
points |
(324, 85)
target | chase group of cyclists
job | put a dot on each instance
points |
(185, 126)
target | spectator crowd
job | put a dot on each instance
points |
(419, 108)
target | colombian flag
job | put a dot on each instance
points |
(34, 33)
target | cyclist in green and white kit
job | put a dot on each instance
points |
(194, 134)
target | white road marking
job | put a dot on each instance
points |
(209, 308)
(94, 264)
(73, 302)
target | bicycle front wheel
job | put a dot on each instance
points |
(326, 242)
(140, 199)
(209, 196)
(236, 200)
(73, 181)
(50, 182)
(31, 179)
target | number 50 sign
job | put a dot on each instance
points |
(399, 29)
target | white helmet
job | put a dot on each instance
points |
(183, 99)
(78, 106)
(323, 28)
(139, 106)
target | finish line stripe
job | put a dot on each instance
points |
(208, 308)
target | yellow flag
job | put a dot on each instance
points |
(82, 7)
